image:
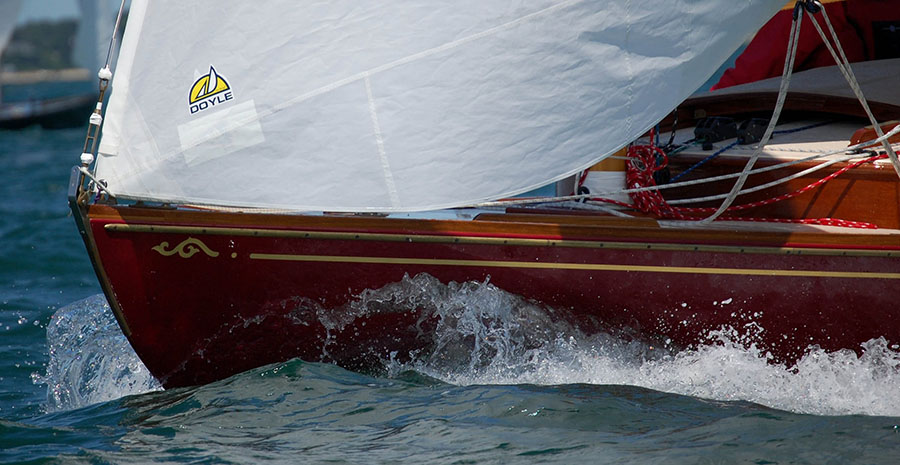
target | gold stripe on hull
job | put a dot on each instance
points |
(573, 266)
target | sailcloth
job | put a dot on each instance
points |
(398, 105)
(9, 14)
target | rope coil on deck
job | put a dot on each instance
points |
(647, 160)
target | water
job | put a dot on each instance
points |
(507, 383)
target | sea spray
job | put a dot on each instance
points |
(90, 359)
(486, 336)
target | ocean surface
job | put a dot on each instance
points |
(72, 390)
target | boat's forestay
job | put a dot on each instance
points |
(398, 105)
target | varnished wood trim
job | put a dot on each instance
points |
(496, 241)
(562, 227)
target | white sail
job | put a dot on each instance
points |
(398, 105)
(9, 15)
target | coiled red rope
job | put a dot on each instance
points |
(646, 160)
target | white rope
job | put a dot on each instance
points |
(779, 104)
(723, 177)
(778, 166)
(843, 65)
(768, 185)
(737, 189)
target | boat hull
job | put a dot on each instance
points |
(203, 295)
(58, 113)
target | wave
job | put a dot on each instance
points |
(487, 336)
(90, 359)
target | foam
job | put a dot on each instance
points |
(485, 335)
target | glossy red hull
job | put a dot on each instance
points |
(204, 295)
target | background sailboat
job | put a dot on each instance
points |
(95, 29)
(71, 105)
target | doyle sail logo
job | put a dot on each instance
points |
(208, 91)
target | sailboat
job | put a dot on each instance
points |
(261, 183)
(67, 111)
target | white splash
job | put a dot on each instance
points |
(487, 336)
(90, 359)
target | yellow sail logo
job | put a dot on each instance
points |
(208, 91)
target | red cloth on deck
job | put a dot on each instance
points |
(852, 20)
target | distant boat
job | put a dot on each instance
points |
(267, 170)
(51, 113)
(55, 113)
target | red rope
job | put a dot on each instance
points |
(643, 164)
(789, 195)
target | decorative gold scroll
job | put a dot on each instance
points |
(186, 249)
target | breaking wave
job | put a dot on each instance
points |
(484, 335)
(488, 336)
(90, 359)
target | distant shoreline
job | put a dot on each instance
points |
(45, 75)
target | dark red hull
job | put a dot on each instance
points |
(204, 295)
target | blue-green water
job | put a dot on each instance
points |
(498, 390)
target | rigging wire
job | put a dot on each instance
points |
(774, 183)
(779, 104)
(642, 170)
(843, 65)
(89, 149)
(115, 34)
(693, 182)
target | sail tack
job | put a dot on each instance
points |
(396, 105)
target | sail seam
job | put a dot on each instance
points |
(387, 66)
(423, 54)
(379, 143)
